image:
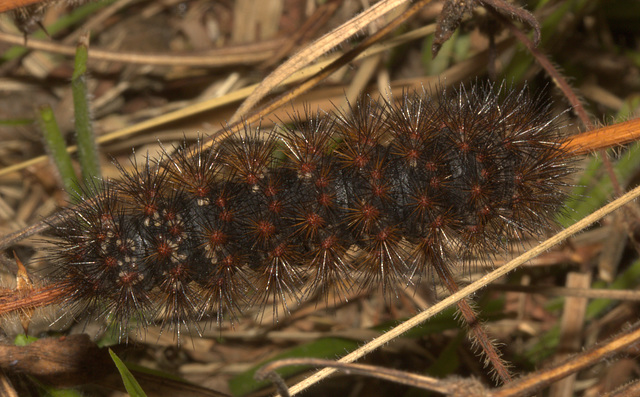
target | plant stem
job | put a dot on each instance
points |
(87, 150)
(57, 148)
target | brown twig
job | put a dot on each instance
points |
(518, 388)
(518, 13)
(10, 301)
(392, 375)
(241, 54)
(538, 380)
(593, 293)
(8, 5)
(42, 226)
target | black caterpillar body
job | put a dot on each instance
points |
(373, 196)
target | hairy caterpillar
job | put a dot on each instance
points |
(373, 196)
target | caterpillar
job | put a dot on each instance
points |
(378, 195)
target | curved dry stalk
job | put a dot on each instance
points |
(248, 53)
(551, 70)
(457, 387)
(470, 289)
(507, 9)
(314, 51)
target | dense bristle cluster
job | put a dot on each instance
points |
(373, 196)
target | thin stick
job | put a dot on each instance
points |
(45, 296)
(242, 54)
(540, 379)
(602, 138)
(592, 293)
(392, 375)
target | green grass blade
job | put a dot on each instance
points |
(87, 149)
(57, 149)
(53, 392)
(130, 383)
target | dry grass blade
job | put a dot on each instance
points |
(314, 51)
(573, 319)
(243, 54)
(400, 377)
(594, 293)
